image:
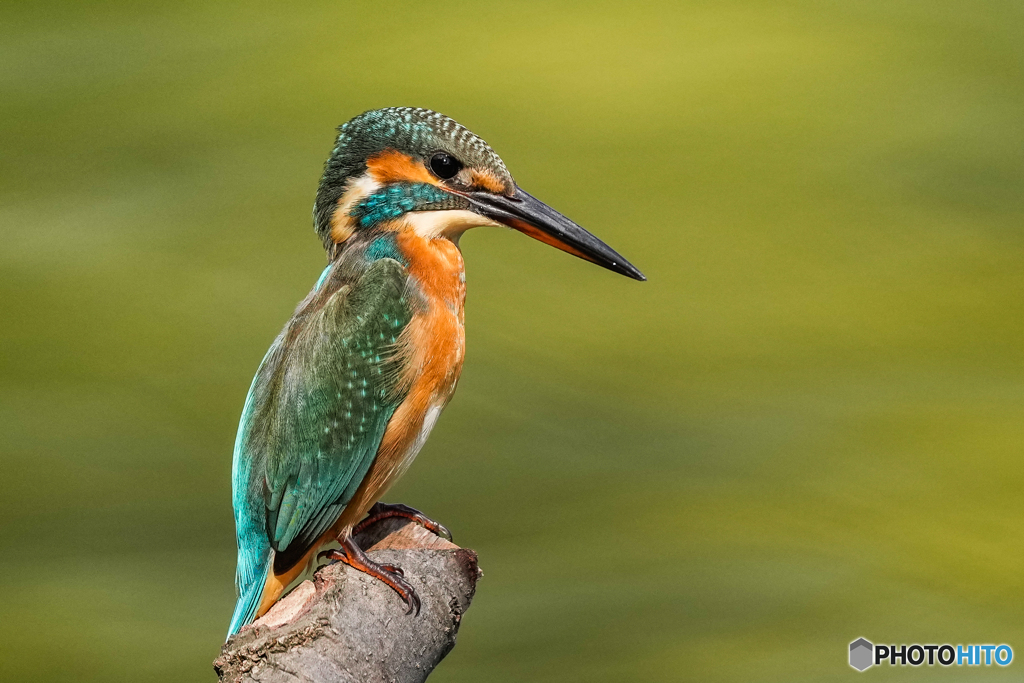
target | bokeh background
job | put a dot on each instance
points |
(805, 428)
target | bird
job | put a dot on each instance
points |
(350, 389)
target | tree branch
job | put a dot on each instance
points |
(347, 627)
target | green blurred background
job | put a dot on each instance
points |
(805, 428)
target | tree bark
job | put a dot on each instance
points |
(347, 627)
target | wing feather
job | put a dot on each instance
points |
(318, 409)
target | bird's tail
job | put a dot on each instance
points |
(249, 580)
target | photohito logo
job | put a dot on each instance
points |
(864, 654)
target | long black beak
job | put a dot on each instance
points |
(527, 214)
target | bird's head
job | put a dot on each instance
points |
(439, 179)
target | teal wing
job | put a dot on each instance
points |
(313, 420)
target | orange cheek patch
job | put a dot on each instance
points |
(390, 166)
(488, 181)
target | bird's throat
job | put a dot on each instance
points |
(435, 264)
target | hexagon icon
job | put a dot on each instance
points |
(861, 654)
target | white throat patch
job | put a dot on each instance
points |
(450, 223)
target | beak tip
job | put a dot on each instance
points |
(632, 272)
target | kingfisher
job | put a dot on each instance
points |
(352, 386)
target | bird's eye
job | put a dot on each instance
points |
(444, 165)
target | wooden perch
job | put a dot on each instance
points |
(346, 627)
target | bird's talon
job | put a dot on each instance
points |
(382, 511)
(404, 589)
(332, 555)
(413, 601)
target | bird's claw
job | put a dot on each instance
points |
(394, 577)
(385, 510)
(443, 532)
(391, 574)
(413, 601)
(332, 555)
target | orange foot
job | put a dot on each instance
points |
(353, 556)
(384, 510)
